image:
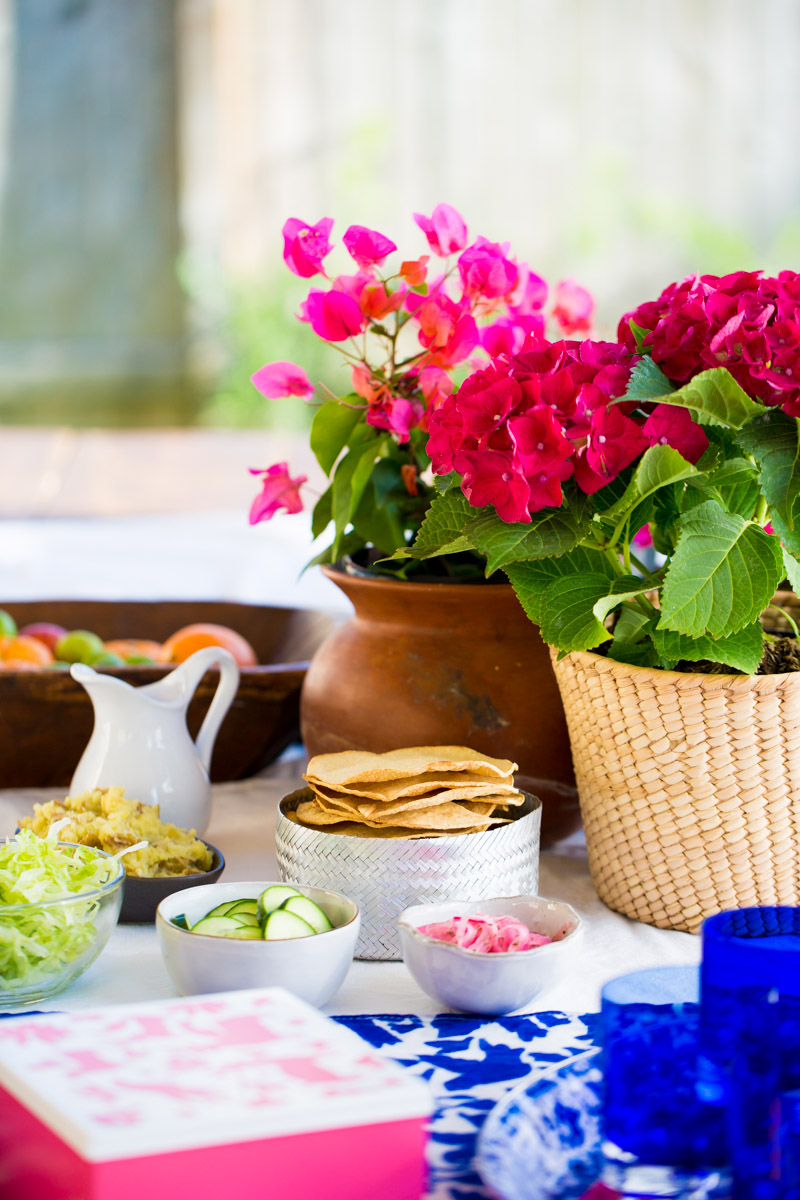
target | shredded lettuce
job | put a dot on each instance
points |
(37, 939)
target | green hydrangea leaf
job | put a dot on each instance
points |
(442, 530)
(331, 429)
(792, 569)
(551, 533)
(531, 579)
(742, 650)
(647, 381)
(715, 398)
(723, 573)
(772, 439)
(570, 607)
(658, 467)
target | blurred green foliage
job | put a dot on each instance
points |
(247, 324)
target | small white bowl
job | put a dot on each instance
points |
(313, 968)
(491, 984)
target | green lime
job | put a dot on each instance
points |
(140, 660)
(8, 626)
(80, 646)
(108, 659)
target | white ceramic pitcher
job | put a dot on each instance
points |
(140, 740)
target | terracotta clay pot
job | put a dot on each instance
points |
(426, 664)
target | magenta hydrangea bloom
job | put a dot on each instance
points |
(745, 321)
(305, 246)
(368, 247)
(333, 315)
(536, 418)
(278, 490)
(445, 230)
(670, 425)
(278, 379)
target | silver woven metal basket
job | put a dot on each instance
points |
(386, 875)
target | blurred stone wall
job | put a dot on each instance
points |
(91, 315)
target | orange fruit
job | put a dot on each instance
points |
(196, 637)
(25, 649)
(136, 648)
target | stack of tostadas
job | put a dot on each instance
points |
(421, 791)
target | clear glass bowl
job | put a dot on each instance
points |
(56, 940)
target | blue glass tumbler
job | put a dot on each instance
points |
(750, 1044)
(661, 1139)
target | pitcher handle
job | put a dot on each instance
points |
(223, 698)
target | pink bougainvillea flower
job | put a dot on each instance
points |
(305, 246)
(353, 285)
(614, 441)
(368, 247)
(279, 490)
(539, 440)
(415, 270)
(446, 329)
(670, 425)
(395, 414)
(492, 477)
(333, 315)
(435, 384)
(376, 302)
(363, 383)
(530, 292)
(574, 307)
(485, 271)
(278, 379)
(444, 229)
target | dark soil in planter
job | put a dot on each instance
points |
(781, 657)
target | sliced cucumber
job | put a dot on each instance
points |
(301, 906)
(281, 924)
(222, 910)
(273, 897)
(242, 906)
(245, 918)
(224, 927)
(181, 921)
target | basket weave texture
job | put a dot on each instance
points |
(689, 787)
(384, 876)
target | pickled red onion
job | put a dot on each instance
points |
(485, 935)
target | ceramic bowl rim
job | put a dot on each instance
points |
(90, 894)
(425, 939)
(218, 864)
(260, 941)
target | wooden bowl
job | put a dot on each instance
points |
(46, 718)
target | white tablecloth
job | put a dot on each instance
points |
(218, 556)
(243, 827)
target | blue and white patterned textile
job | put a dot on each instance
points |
(470, 1065)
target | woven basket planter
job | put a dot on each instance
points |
(689, 787)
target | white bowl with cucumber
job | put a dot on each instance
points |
(226, 936)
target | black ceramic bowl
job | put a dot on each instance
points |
(141, 897)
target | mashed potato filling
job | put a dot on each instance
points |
(108, 821)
